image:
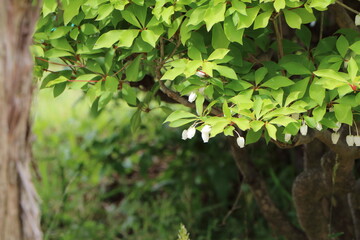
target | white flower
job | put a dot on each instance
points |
(295, 116)
(240, 141)
(184, 134)
(206, 129)
(335, 137)
(191, 132)
(287, 137)
(357, 141)
(312, 24)
(304, 129)
(338, 127)
(319, 126)
(357, 20)
(200, 74)
(205, 133)
(350, 140)
(205, 137)
(192, 97)
(201, 90)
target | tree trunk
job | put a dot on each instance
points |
(19, 212)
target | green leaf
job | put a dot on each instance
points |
(304, 34)
(150, 37)
(226, 72)
(356, 47)
(317, 93)
(245, 21)
(132, 71)
(130, 18)
(71, 9)
(271, 129)
(89, 29)
(319, 112)
(231, 32)
(59, 88)
(295, 68)
(242, 123)
(292, 19)
(60, 79)
(135, 121)
(331, 74)
(218, 37)
(199, 103)
(262, 20)
(180, 122)
(219, 53)
(352, 69)
(104, 11)
(226, 110)
(252, 136)
(111, 84)
(171, 74)
(342, 45)
(214, 14)
(282, 120)
(343, 113)
(256, 125)
(277, 82)
(279, 4)
(179, 114)
(49, 6)
(260, 74)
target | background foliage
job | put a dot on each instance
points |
(99, 181)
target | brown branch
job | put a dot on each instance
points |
(276, 219)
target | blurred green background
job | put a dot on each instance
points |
(98, 180)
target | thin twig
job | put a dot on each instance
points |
(234, 206)
(347, 7)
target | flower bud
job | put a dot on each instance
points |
(191, 132)
(304, 129)
(184, 134)
(335, 137)
(206, 129)
(240, 141)
(357, 20)
(205, 136)
(318, 126)
(192, 97)
(350, 140)
(287, 137)
(357, 141)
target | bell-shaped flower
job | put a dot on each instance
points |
(337, 128)
(304, 129)
(318, 126)
(335, 137)
(191, 132)
(205, 133)
(287, 137)
(184, 134)
(192, 97)
(357, 20)
(350, 140)
(200, 74)
(240, 141)
(357, 140)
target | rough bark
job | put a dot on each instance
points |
(19, 213)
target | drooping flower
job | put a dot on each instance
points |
(191, 132)
(287, 137)
(205, 133)
(357, 140)
(350, 140)
(184, 134)
(335, 137)
(192, 97)
(240, 141)
(357, 20)
(304, 129)
(319, 126)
